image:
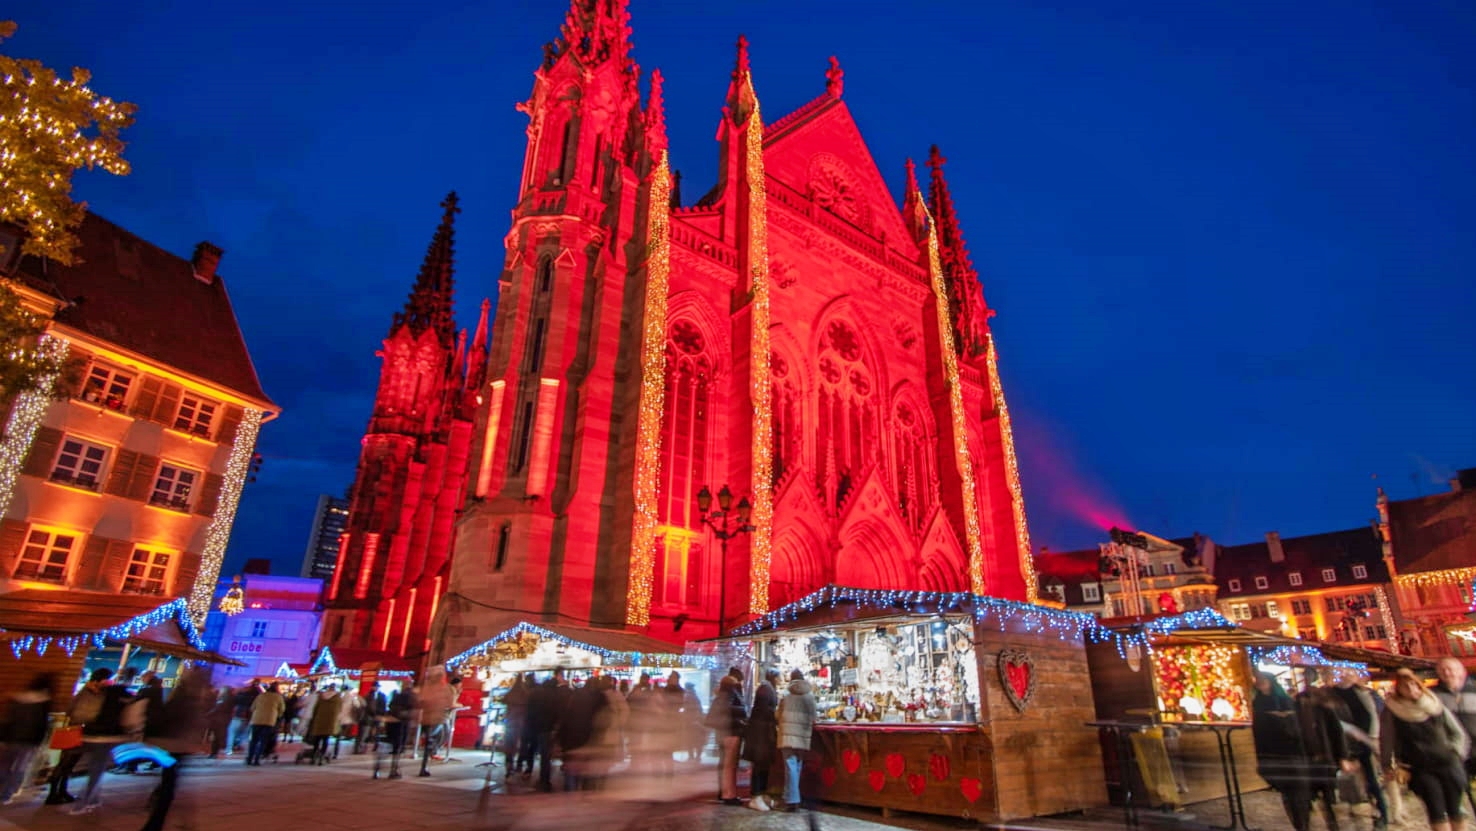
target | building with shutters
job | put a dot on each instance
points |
(125, 476)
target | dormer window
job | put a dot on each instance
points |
(1262, 583)
(1329, 575)
(1091, 593)
(1360, 572)
(1295, 578)
(1235, 585)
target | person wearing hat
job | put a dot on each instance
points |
(1421, 735)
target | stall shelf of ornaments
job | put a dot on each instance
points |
(940, 702)
(489, 669)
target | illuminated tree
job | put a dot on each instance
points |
(25, 366)
(51, 127)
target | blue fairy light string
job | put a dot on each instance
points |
(609, 656)
(176, 611)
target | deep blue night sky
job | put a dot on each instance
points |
(1231, 243)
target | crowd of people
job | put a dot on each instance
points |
(1342, 742)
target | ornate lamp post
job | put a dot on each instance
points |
(726, 524)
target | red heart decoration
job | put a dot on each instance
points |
(972, 788)
(1019, 679)
(916, 782)
(938, 765)
(1017, 676)
(852, 760)
(877, 778)
(895, 765)
(827, 775)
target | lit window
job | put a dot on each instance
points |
(147, 572)
(1272, 610)
(1329, 576)
(1301, 607)
(107, 386)
(1240, 611)
(1235, 585)
(195, 415)
(173, 486)
(1168, 568)
(1262, 583)
(258, 629)
(1360, 572)
(45, 556)
(1091, 592)
(79, 463)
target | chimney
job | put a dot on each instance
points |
(1273, 542)
(205, 261)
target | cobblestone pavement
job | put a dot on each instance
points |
(225, 795)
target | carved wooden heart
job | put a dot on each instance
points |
(1017, 676)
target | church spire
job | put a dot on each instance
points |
(429, 304)
(476, 362)
(965, 295)
(912, 207)
(656, 117)
(596, 31)
(741, 96)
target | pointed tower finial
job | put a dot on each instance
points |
(740, 66)
(835, 78)
(965, 295)
(913, 212)
(656, 116)
(429, 304)
(476, 359)
(595, 31)
(741, 97)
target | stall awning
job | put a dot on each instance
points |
(37, 619)
(1374, 657)
(616, 647)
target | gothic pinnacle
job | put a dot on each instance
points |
(656, 116)
(835, 78)
(429, 304)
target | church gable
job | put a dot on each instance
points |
(822, 156)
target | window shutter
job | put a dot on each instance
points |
(43, 452)
(123, 466)
(230, 419)
(168, 406)
(115, 565)
(209, 494)
(12, 538)
(141, 480)
(147, 397)
(89, 570)
(186, 569)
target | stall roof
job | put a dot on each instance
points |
(1373, 657)
(614, 645)
(36, 618)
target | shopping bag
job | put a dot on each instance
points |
(66, 738)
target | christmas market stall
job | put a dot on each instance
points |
(940, 703)
(67, 633)
(489, 668)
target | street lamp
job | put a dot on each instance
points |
(725, 524)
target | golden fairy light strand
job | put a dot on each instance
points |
(652, 405)
(760, 383)
(218, 535)
(25, 416)
(1390, 630)
(1012, 475)
(962, 456)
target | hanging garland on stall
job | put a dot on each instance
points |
(176, 611)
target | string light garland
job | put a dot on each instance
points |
(1387, 614)
(1428, 579)
(175, 611)
(962, 457)
(1300, 656)
(653, 395)
(26, 414)
(1012, 474)
(610, 657)
(218, 535)
(762, 516)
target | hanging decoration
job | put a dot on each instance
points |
(609, 656)
(175, 611)
(1193, 680)
(238, 466)
(234, 601)
(652, 403)
(25, 416)
(963, 459)
(1300, 656)
(1017, 676)
(761, 391)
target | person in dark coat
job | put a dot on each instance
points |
(1423, 736)
(729, 719)
(178, 729)
(576, 734)
(99, 737)
(219, 721)
(1364, 707)
(760, 740)
(1322, 714)
(25, 729)
(1281, 759)
(545, 704)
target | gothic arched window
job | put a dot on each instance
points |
(684, 448)
(912, 469)
(538, 317)
(788, 423)
(846, 431)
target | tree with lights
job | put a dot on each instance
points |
(51, 127)
(27, 363)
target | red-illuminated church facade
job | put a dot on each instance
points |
(792, 334)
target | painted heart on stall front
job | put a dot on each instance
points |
(852, 760)
(938, 765)
(972, 788)
(1017, 676)
(916, 782)
(827, 775)
(896, 764)
(877, 778)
